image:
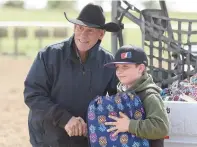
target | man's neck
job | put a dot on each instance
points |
(82, 55)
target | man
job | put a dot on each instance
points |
(64, 78)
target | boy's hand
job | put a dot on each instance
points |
(120, 125)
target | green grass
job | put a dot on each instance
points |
(30, 45)
(17, 14)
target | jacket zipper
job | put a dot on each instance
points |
(81, 64)
(83, 69)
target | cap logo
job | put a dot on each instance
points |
(125, 55)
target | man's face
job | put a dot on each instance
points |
(85, 37)
(129, 73)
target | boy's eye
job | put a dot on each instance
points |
(125, 66)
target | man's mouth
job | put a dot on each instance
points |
(83, 41)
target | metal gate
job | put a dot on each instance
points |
(172, 51)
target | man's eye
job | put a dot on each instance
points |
(91, 31)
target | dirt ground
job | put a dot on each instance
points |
(13, 111)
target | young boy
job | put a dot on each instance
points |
(130, 63)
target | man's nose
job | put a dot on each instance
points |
(84, 32)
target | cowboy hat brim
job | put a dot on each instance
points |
(110, 27)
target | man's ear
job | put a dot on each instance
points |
(102, 33)
(75, 27)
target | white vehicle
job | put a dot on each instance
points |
(183, 124)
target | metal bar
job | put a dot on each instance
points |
(189, 49)
(164, 8)
(160, 57)
(130, 16)
(180, 67)
(114, 36)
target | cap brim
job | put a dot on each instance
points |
(112, 64)
(110, 27)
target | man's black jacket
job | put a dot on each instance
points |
(58, 86)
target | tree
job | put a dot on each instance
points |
(149, 4)
(61, 4)
(16, 4)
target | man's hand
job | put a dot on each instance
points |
(76, 127)
(84, 126)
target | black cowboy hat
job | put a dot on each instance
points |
(92, 16)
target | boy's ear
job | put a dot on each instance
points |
(141, 68)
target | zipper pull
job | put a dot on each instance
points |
(83, 70)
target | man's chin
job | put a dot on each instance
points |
(83, 49)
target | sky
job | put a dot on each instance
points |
(173, 5)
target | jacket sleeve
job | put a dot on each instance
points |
(112, 86)
(37, 89)
(156, 124)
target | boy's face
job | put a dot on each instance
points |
(129, 73)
